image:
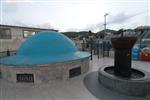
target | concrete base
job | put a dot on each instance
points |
(44, 73)
(132, 87)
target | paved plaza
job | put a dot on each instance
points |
(73, 89)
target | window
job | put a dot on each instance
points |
(74, 72)
(27, 34)
(5, 34)
(25, 77)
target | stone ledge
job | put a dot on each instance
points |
(58, 71)
(139, 87)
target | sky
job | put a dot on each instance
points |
(75, 15)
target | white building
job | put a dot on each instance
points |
(12, 36)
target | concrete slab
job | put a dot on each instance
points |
(73, 89)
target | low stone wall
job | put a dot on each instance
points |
(138, 87)
(44, 73)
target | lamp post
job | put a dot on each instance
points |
(106, 14)
(104, 45)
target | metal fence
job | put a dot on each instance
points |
(99, 48)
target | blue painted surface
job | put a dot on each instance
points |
(136, 52)
(45, 48)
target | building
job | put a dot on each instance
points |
(12, 36)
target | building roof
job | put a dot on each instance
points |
(26, 27)
(45, 48)
(143, 28)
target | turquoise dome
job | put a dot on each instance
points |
(47, 43)
(45, 48)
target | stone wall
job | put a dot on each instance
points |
(44, 73)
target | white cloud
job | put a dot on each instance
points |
(76, 14)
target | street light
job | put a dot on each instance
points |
(105, 21)
(106, 14)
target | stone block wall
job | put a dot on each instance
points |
(44, 73)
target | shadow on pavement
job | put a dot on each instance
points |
(92, 84)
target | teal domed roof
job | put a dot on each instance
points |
(45, 48)
(47, 43)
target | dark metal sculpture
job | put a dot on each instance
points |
(123, 46)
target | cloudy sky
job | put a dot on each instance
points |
(75, 15)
